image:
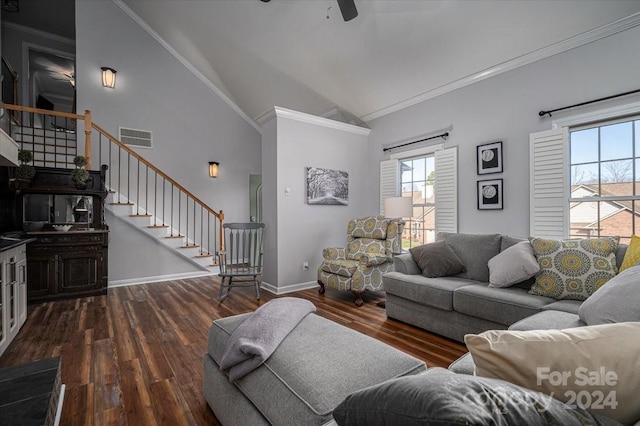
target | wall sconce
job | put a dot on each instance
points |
(109, 77)
(213, 169)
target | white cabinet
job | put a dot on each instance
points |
(13, 293)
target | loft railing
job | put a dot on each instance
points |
(52, 137)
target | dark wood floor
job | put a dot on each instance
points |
(134, 356)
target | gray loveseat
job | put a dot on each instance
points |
(453, 306)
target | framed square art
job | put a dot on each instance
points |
(489, 158)
(490, 194)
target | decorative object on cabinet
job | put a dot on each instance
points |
(25, 171)
(489, 158)
(80, 175)
(490, 194)
(72, 263)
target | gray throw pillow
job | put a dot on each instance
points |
(474, 250)
(616, 301)
(436, 259)
(440, 397)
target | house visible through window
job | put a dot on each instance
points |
(417, 181)
(605, 179)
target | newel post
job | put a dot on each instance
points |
(87, 137)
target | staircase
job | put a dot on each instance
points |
(139, 193)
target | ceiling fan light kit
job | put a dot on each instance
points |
(10, 6)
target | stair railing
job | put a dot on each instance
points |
(132, 179)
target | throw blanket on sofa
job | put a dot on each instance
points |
(260, 334)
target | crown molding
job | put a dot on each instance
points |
(186, 63)
(39, 33)
(265, 117)
(542, 53)
(320, 121)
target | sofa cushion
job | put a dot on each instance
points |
(435, 292)
(292, 384)
(474, 250)
(573, 269)
(463, 365)
(548, 320)
(593, 365)
(436, 259)
(441, 397)
(632, 255)
(504, 306)
(570, 306)
(616, 301)
(513, 265)
(507, 241)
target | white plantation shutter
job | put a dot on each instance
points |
(389, 181)
(446, 190)
(548, 186)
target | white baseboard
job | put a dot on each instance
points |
(159, 278)
(288, 288)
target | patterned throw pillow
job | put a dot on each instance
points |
(573, 269)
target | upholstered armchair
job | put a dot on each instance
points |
(371, 242)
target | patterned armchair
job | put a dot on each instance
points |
(371, 242)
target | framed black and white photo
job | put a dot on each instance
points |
(328, 187)
(489, 157)
(490, 194)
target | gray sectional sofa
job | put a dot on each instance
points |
(453, 306)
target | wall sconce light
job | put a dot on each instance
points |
(109, 77)
(213, 169)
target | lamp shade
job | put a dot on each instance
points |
(398, 207)
(108, 77)
(213, 169)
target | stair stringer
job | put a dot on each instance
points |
(178, 245)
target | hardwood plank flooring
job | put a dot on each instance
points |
(134, 356)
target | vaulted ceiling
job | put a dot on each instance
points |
(302, 55)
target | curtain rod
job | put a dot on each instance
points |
(543, 113)
(443, 136)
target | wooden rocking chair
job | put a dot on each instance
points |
(241, 258)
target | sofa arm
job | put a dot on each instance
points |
(374, 259)
(405, 264)
(334, 253)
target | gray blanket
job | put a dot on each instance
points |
(260, 334)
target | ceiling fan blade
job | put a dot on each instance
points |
(348, 9)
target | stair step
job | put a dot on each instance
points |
(188, 246)
(158, 226)
(140, 215)
(203, 255)
(121, 204)
(174, 236)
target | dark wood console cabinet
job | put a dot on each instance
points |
(70, 263)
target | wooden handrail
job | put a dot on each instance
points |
(42, 111)
(89, 126)
(219, 215)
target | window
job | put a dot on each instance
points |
(417, 180)
(604, 162)
(430, 177)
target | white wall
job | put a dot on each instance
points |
(505, 107)
(149, 261)
(302, 230)
(191, 125)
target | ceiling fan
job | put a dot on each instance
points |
(347, 8)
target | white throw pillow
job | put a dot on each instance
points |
(514, 265)
(595, 367)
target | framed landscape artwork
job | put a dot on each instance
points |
(490, 194)
(327, 187)
(489, 157)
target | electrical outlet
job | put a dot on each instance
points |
(305, 265)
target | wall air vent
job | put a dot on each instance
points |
(135, 137)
